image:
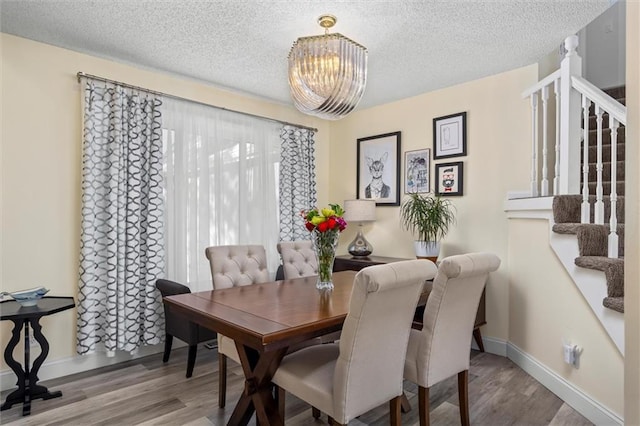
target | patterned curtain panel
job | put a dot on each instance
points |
(121, 252)
(297, 181)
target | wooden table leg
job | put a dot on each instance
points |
(257, 396)
(477, 336)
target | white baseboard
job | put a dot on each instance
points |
(566, 391)
(78, 364)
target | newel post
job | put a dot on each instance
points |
(570, 109)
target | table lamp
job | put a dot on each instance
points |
(360, 211)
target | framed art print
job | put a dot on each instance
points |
(378, 169)
(449, 178)
(450, 136)
(416, 171)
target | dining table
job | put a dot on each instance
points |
(265, 320)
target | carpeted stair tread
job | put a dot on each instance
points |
(599, 263)
(593, 122)
(606, 171)
(593, 240)
(606, 136)
(606, 152)
(566, 209)
(617, 92)
(606, 187)
(566, 228)
(614, 303)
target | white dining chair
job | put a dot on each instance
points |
(298, 259)
(442, 347)
(364, 369)
(233, 266)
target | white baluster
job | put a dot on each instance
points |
(570, 124)
(599, 206)
(613, 219)
(585, 207)
(545, 156)
(556, 177)
(534, 147)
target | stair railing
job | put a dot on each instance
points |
(569, 127)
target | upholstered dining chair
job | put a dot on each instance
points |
(442, 348)
(364, 369)
(176, 325)
(298, 259)
(233, 266)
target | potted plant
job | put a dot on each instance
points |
(428, 217)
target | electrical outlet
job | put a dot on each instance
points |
(568, 353)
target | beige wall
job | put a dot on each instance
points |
(41, 142)
(497, 119)
(632, 221)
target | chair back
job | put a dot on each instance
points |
(175, 324)
(298, 259)
(444, 343)
(374, 338)
(233, 266)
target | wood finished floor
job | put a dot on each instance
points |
(148, 392)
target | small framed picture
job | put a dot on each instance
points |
(416, 171)
(378, 169)
(450, 136)
(449, 178)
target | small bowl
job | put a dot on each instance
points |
(29, 297)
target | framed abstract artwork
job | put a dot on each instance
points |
(416, 171)
(449, 178)
(378, 169)
(450, 136)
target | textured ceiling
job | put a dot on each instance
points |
(414, 46)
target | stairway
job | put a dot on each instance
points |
(592, 239)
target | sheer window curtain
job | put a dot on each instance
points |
(221, 180)
(122, 244)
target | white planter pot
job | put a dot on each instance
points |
(427, 249)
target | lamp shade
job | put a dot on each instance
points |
(327, 73)
(360, 210)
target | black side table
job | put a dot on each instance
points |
(22, 316)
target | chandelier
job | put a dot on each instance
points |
(327, 73)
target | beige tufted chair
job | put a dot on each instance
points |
(364, 369)
(441, 349)
(298, 259)
(233, 266)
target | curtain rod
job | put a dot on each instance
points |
(167, 95)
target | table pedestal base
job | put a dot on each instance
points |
(257, 397)
(28, 389)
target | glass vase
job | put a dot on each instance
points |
(324, 246)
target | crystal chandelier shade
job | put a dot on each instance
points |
(327, 74)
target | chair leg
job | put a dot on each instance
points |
(315, 412)
(405, 405)
(395, 415)
(191, 359)
(168, 340)
(463, 396)
(423, 398)
(477, 336)
(281, 394)
(222, 380)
